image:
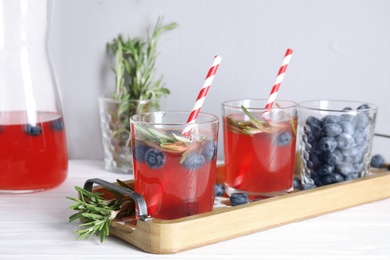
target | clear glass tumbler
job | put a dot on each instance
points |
(175, 162)
(335, 140)
(259, 146)
(115, 125)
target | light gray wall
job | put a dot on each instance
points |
(341, 51)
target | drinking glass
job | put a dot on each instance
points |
(335, 140)
(259, 146)
(175, 162)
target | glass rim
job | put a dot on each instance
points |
(314, 107)
(211, 118)
(292, 104)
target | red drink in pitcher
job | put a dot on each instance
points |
(32, 157)
(259, 151)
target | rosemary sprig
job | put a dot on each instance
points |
(253, 119)
(134, 68)
(173, 143)
(96, 213)
(254, 125)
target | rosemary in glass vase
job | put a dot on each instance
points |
(136, 91)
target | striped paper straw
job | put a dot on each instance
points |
(279, 79)
(202, 94)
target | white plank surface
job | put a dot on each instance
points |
(35, 226)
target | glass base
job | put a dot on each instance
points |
(256, 195)
(21, 191)
(124, 168)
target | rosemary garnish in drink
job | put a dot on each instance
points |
(172, 142)
(254, 125)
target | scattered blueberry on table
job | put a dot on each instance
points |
(297, 184)
(219, 190)
(377, 161)
(238, 199)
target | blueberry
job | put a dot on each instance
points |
(333, 158)
(363, 120)
(327, 144)
(317, 180)
(347, 117)
(210, 150)
(314, 126)
(314, 161)
(347, 127)
(326, 169)
(139, 152)
(352, 155)
(363, 106)
(345, 141)
(330, 119)
(331, 129)
(194, 160)
(332, 178)
(283, 139)
(219, 190)
(297, 183)
(310, 138)
(238, 199)
(57, 125)
(347, 109)
(352, 176)
(360, 137)
(313, 121)
(308, 186)
(377, 161)
(358, 167)
(154, 158)
(316, 149)
(345, 169)
(32, 130)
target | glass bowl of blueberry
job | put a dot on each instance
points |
(335, 140)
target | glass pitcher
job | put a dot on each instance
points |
(33, 152)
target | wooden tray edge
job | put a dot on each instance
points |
(173, 236)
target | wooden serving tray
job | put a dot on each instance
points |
(172, 236)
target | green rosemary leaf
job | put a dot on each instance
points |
(145, 133)
(159, 135)
(181, 138)
(253, 119)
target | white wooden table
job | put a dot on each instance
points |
(35, 226)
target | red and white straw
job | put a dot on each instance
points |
(202, 94)
(279, 79)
